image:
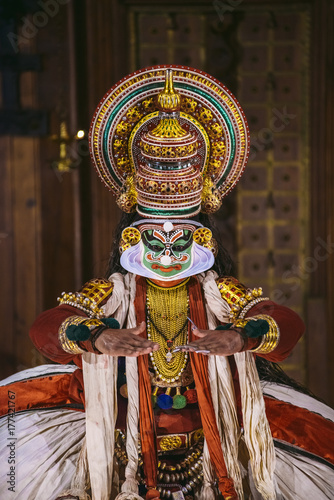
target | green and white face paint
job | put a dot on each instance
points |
(167, 251)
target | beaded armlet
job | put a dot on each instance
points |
(241, 300)
(90, 298)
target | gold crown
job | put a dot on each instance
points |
(169, 152)
(170, 178)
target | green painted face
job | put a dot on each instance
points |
(167, 251)
(167, 254)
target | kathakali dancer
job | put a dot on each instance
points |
(163, 398)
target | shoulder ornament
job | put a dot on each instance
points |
(90, 298)
(239, 298)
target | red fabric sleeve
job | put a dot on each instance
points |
(290, 324)
(44, 334)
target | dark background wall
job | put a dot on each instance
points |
(59, 57)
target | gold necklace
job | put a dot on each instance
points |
(167, 324)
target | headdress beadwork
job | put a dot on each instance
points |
(169, 141)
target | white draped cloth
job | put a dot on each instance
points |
(49, 442)
(63, 450)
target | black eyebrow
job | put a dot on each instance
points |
(187, 244)
(149, 237)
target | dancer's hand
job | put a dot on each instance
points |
(125, 342)
(216, 342)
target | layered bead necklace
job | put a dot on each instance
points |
(167, 324)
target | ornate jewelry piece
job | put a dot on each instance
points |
(249, 306)
(90, 298)
(169, 141)
(203, 236)
(241, 300)
(167, 324)
(71, 346)
(130, 237)
(79, 301)
(169, 341)
(271, 339)
(238, 297)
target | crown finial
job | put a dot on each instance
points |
(169, 100)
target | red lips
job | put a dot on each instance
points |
(177, 267)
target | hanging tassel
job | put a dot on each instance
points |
(179, 401)
(77, 494)
(207, 492)
(128, 496)
(130, 485)
(165, 401)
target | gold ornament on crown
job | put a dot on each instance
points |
(169, 127)
(130, 237)
(203, 236)
(128, 199)
(211, 199)
(168, 100)
(167, 324)
(194, 123)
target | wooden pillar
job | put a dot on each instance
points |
(320, 305)
(20, 250)
(37, 232)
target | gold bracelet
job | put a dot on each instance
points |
(71, 346)
(270, 340)
(240, 323)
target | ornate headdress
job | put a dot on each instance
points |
(169, 142)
